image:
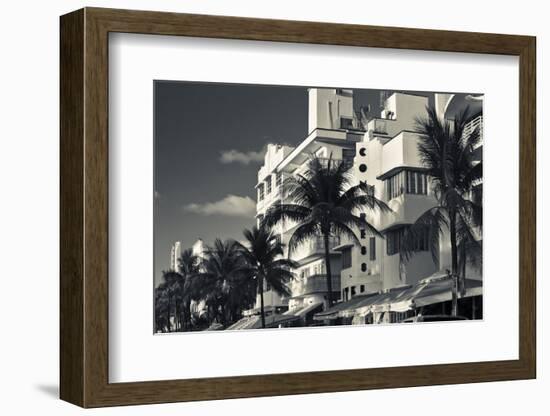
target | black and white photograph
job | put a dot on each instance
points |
(305, 206)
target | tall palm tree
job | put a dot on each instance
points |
(188, 265)
(448, 156)
(162, 307)
(263, 253)
(323, 202)
(222, 280)
(170, 291)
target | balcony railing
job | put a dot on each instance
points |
(316, 246)
(471, 126)
(316, 283)
(378, 126)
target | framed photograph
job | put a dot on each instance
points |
(263, 207)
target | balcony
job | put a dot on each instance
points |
(315, 247)
(378, 126)
(316, 283)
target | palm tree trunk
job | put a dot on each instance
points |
(262, 303)
(454, 263)
(169, 313)
(327, 266)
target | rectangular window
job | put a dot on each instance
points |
(346, 258)
(393, 241)
(278, 179)
(362, 288)
(268, 182)
(372, 247)
(347, 157)
(406, 181)
(353, 291)
(261, 192)
(412, 182)
(421, 240)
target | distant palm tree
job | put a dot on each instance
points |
(448, 156)
(162, 308)
(323, 202)
(170, 289)
(223, 280)
(263, 253)
(188, 266)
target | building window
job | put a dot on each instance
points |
(417, 183)
(363, 267)
(278, 179)
(347, 157)
(394, 240)
(372, 245)
(346, 122)
(406, 181)
(362, 288)
(421, 240)
(268, 182)
(346, 258)
(261, 192)
(353, 291)
(363, 151)
(319, 268)
(394, 185)
(363, 233)
(363, 250)
(362, 168)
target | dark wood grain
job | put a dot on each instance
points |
(84, 207)
(71, 208)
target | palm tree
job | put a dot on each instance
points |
(263, 254)
(223, 281)
(188, 265)
(448, 156)
(162, 308)
(170, 289)
(323, 202)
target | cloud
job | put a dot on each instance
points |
(235, 156)
(230, 206)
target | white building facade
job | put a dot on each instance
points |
(382, 152)
(175, 254)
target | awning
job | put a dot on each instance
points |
(309, 308)
(378, 304)
(255, 322)
(430, 291)
(244, 323)
(342, 246)
(434, 289)
(273, 321)
(334, 312)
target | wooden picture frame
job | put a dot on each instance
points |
(84, 207)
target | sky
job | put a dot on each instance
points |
(209, 140)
